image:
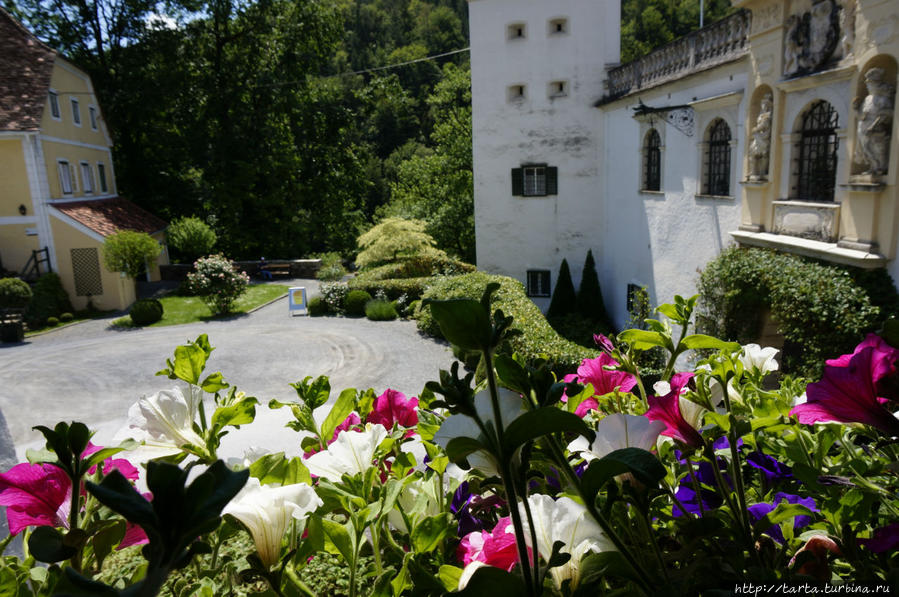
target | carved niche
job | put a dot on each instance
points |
(811, 38)
(760, 146)
(870, 159)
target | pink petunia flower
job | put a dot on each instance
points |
(496, 548)
(128, 470)
(674, 411)
(883, 362)
(593, 372)
(847, 394)
(35, 495)
(393, 407)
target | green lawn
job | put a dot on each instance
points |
(187, 309)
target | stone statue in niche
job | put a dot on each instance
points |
(847, 28)
(811, 38)
(760, 146)
(875, 124)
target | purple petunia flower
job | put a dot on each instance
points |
(758, 511)
(772, 469)
(884, 539)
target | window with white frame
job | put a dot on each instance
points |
(54, 105)
(92, 112)
(101, 174)
(538, 282)
(87, 178)
(536, 180)
(65, 177)
(76, 112)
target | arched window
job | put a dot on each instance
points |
(652, 161)
(817, 167)
(717, 174)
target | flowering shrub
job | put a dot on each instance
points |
(521, 485)
(334, 295)
(216, 281)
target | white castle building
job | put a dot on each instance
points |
(771, 128)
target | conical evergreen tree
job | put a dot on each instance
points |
(589, 296)
(564, 299)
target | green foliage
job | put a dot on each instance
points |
(52, 322)
(331, 269)
(564, 299)
(392, 239)
(821, 310)
(215, 280)
(419, 266)
(392, 288)
(355, 302)
(49, 300)
(648, 24)
(589, 295)
(535, 337)
(146, 311)
(326, 574)
(66, 317)
(380, 310)
(317, 307)
(14, 293)
(190, 238)
(334, 295)
(130, 252)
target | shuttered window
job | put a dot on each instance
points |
(535, 181)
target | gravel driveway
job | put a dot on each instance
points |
(92, 373)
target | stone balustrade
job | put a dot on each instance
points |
(710, 46)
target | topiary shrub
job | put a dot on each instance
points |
(14, 293)
(589, 295)
(317, 307)
(190, 238)
(564, 299)
(355, 302)
(129, 251)
(215, 280)
(821, 309)
(380, 310)
(49, 300)
(52, 322)
(66, 317)
(146, 311)
(536, 339)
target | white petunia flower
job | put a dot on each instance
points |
(162, 423)
(454, 426)
(616, 432)
(351, 453)
(762, 359)
(266, 511)
(567, 521)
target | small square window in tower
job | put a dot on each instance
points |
(538, 282)
(515, 93)
(516, 31)
(558, 89)
(558, 26)
(86, 271)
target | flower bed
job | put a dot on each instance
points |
(524, 485)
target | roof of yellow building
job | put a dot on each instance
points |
(26, 64)
(108, 216)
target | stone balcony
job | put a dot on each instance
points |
(720, 42)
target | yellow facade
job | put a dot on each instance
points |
(56, 154)
(15, 190)
(16, 245)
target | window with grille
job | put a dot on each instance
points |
(817, 163)
(535, 181)
(86, 271)
(717, 179)
(652, 161)
(538, 282)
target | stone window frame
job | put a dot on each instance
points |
(516, 93)
(797, 153)
(558, 88)
(705, 157)
(646, 156)
(516, 31)
(707, 112)
(539, 283)
(553, 26)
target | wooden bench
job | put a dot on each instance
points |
(277, 269)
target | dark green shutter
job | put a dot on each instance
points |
(552, 180)
(517, 181)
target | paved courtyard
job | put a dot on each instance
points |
(93, 373)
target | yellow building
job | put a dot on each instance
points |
(58, 196)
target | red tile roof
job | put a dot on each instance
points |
(25, 68)
(108, 216)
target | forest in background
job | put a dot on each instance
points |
(276, 123)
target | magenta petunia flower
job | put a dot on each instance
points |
(847, 394)
(604, 382)
(128, 470)
(496, 548)
(392, 407)
(681, 417)
(35, 495)
(883, 361)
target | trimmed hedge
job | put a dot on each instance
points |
(317, 307)
(420, 266)
(14, 293)
(355, 302)
(146, 311)
(49, 300)
(413, 288)
(380, 310)
(537, 338)
(822, 310)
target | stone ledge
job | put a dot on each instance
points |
(810, 248)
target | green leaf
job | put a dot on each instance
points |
(190, 360)
(117, 493)
(543, 421)
(643, 339)
(403, 579)
(700, 341)
(313, 393)
(48, 544)
(782, 512)
(100, 456)
(342, 408)
(341, 538)
(106, 538)
(494, 582)
(669, 311)
(429, 533)
(596, 567)
(463, 322)
(460, 447)
(512, 374)
(240, 413)
(449, 576)
(213, 383)
(645, 467)
(277, 469)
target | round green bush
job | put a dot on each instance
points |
(66, 317)
(52, 322)
(14, 293)
(379, 310)
(190, 238)
(146, 311)
(355, 302)
(317, 307)
(49, 300)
